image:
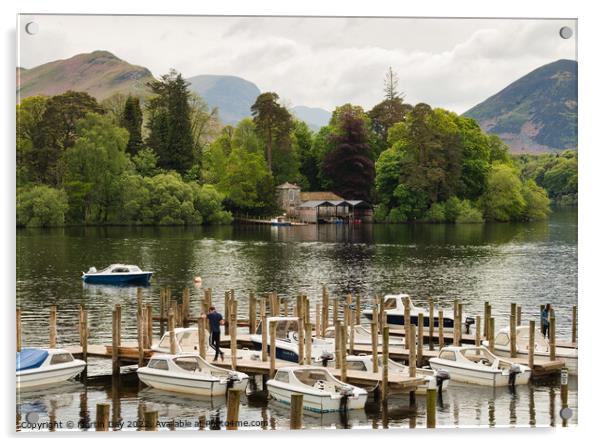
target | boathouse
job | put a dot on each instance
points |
(322, 206)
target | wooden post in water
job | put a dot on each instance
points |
(406, 317)
(84, 338)
(185, 306)
(460, 322)
(233, 332)
(420, 339)
(151, 419)
(358, 309)
(335, 311)
(531, 343)
(301, 341)
(564, 393)
(541, 308)
(519, 315)
(308, 330)
(227, 298)
(385, 366)
(343, 329)
(431, 408)
(552, 335)
(161, 311)
(272, 349)
(115, 344)
(337, 345)
(52, 327)
(18, 325)
(382, 318)
(118, 308)
(149, 326)
(171, 326)
(208, 293)
(232, 409)
(324, 310)
(318, 315)
(574, 325)
(264, 330)
(440, 326)
(140, 328)
(102, 416)
(485, 320)
(512, 331)
(374, 333)
(296, 411)
(477, 334)
(352, 332)
(412, 358)
(431, 324)
(491, 333)
(201, 336)
(252, 313)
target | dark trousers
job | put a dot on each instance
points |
(215, 343)
(546, 330)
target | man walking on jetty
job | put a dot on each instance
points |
(215, 321)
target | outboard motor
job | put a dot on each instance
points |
(325, 357)
(346, 392)
(468, 322)
(441, 376)
(514, 370)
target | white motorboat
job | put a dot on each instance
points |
(287, 340)
(395, 313)
(118, 274)
(542, 347)
(321, 391)
(361, 336)
(477, 365)
(363, 363)
(186, 373)
(45, 366)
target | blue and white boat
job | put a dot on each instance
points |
(118, 274)
(45, 366)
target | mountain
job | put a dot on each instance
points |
(315, 118)
(233, 96)
(100, 74)
(536, 113)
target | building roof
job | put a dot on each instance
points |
(351, 203)
(288, 186)
(325, 195)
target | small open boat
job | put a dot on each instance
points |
(46, 366)
(542, 347)
(118, 274)
(361, 336)
(191, 374)
(477, 365)
(321, 391)
(395, 312)
(363, 363)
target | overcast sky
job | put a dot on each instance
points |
(318, 62)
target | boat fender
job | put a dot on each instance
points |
(514, 370)
(441, 375)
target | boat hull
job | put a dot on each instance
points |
(315, 402)
(189, 385)
(570, 361)
(49, 375)
(491, 378)
(397, 321)
(118, 279)
(282, 353)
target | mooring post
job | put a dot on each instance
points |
(118, 308)
(512, 331)
(208, 296)
(352, 333)
(102, 416)
(335, 311)
(460, 323)
(343, 349)
(227, 298)
(161, 312)
(301, 335)
(337, 345)
(431, 323)
(477, 334)
(519, 315)
(140, 329)
(252, 313)
(233, 330)
(308, 330)
(574, 325)
(358, 309)
(431, 408)
(552, 339)
(382, 314)
(151, 419)
(491, 334)
(18, 325)
(232, 409)
(185, 306)
(264, 330)
(296, 411)
(541, 308)
(85, 332)
(531, 343)
(272, 349)
(115, 344)
(149, 326)
(385, 366)
(202, 337)
(564, 392)
(171, 328)
(420, 339)
(412, 362)
(407, 321)
(440, 327)
(324, 310)
(318, 327)
(52, 327)
(374, 334)
(485, 320)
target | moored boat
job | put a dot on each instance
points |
(280, 221)
(186, 373)
(321, 391)
(542, 347)
(46, 366)
(361, 336)
(118, 274)
(477, 365)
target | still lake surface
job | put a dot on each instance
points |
(526, 263)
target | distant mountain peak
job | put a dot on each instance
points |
(536, 113)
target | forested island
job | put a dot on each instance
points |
(166, 159)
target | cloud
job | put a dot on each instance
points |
(324, 62)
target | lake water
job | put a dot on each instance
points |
(526, 263)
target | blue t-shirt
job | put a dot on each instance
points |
(214, 319)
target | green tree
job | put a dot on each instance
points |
(537, 203)
(308, 161)
(145, 162)
(41, 206)
(131, 120)
(92, 167)
(169, 122)
(30, 113)
(173, 200)
(503, 198)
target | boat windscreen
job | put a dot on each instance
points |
(310, 377)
